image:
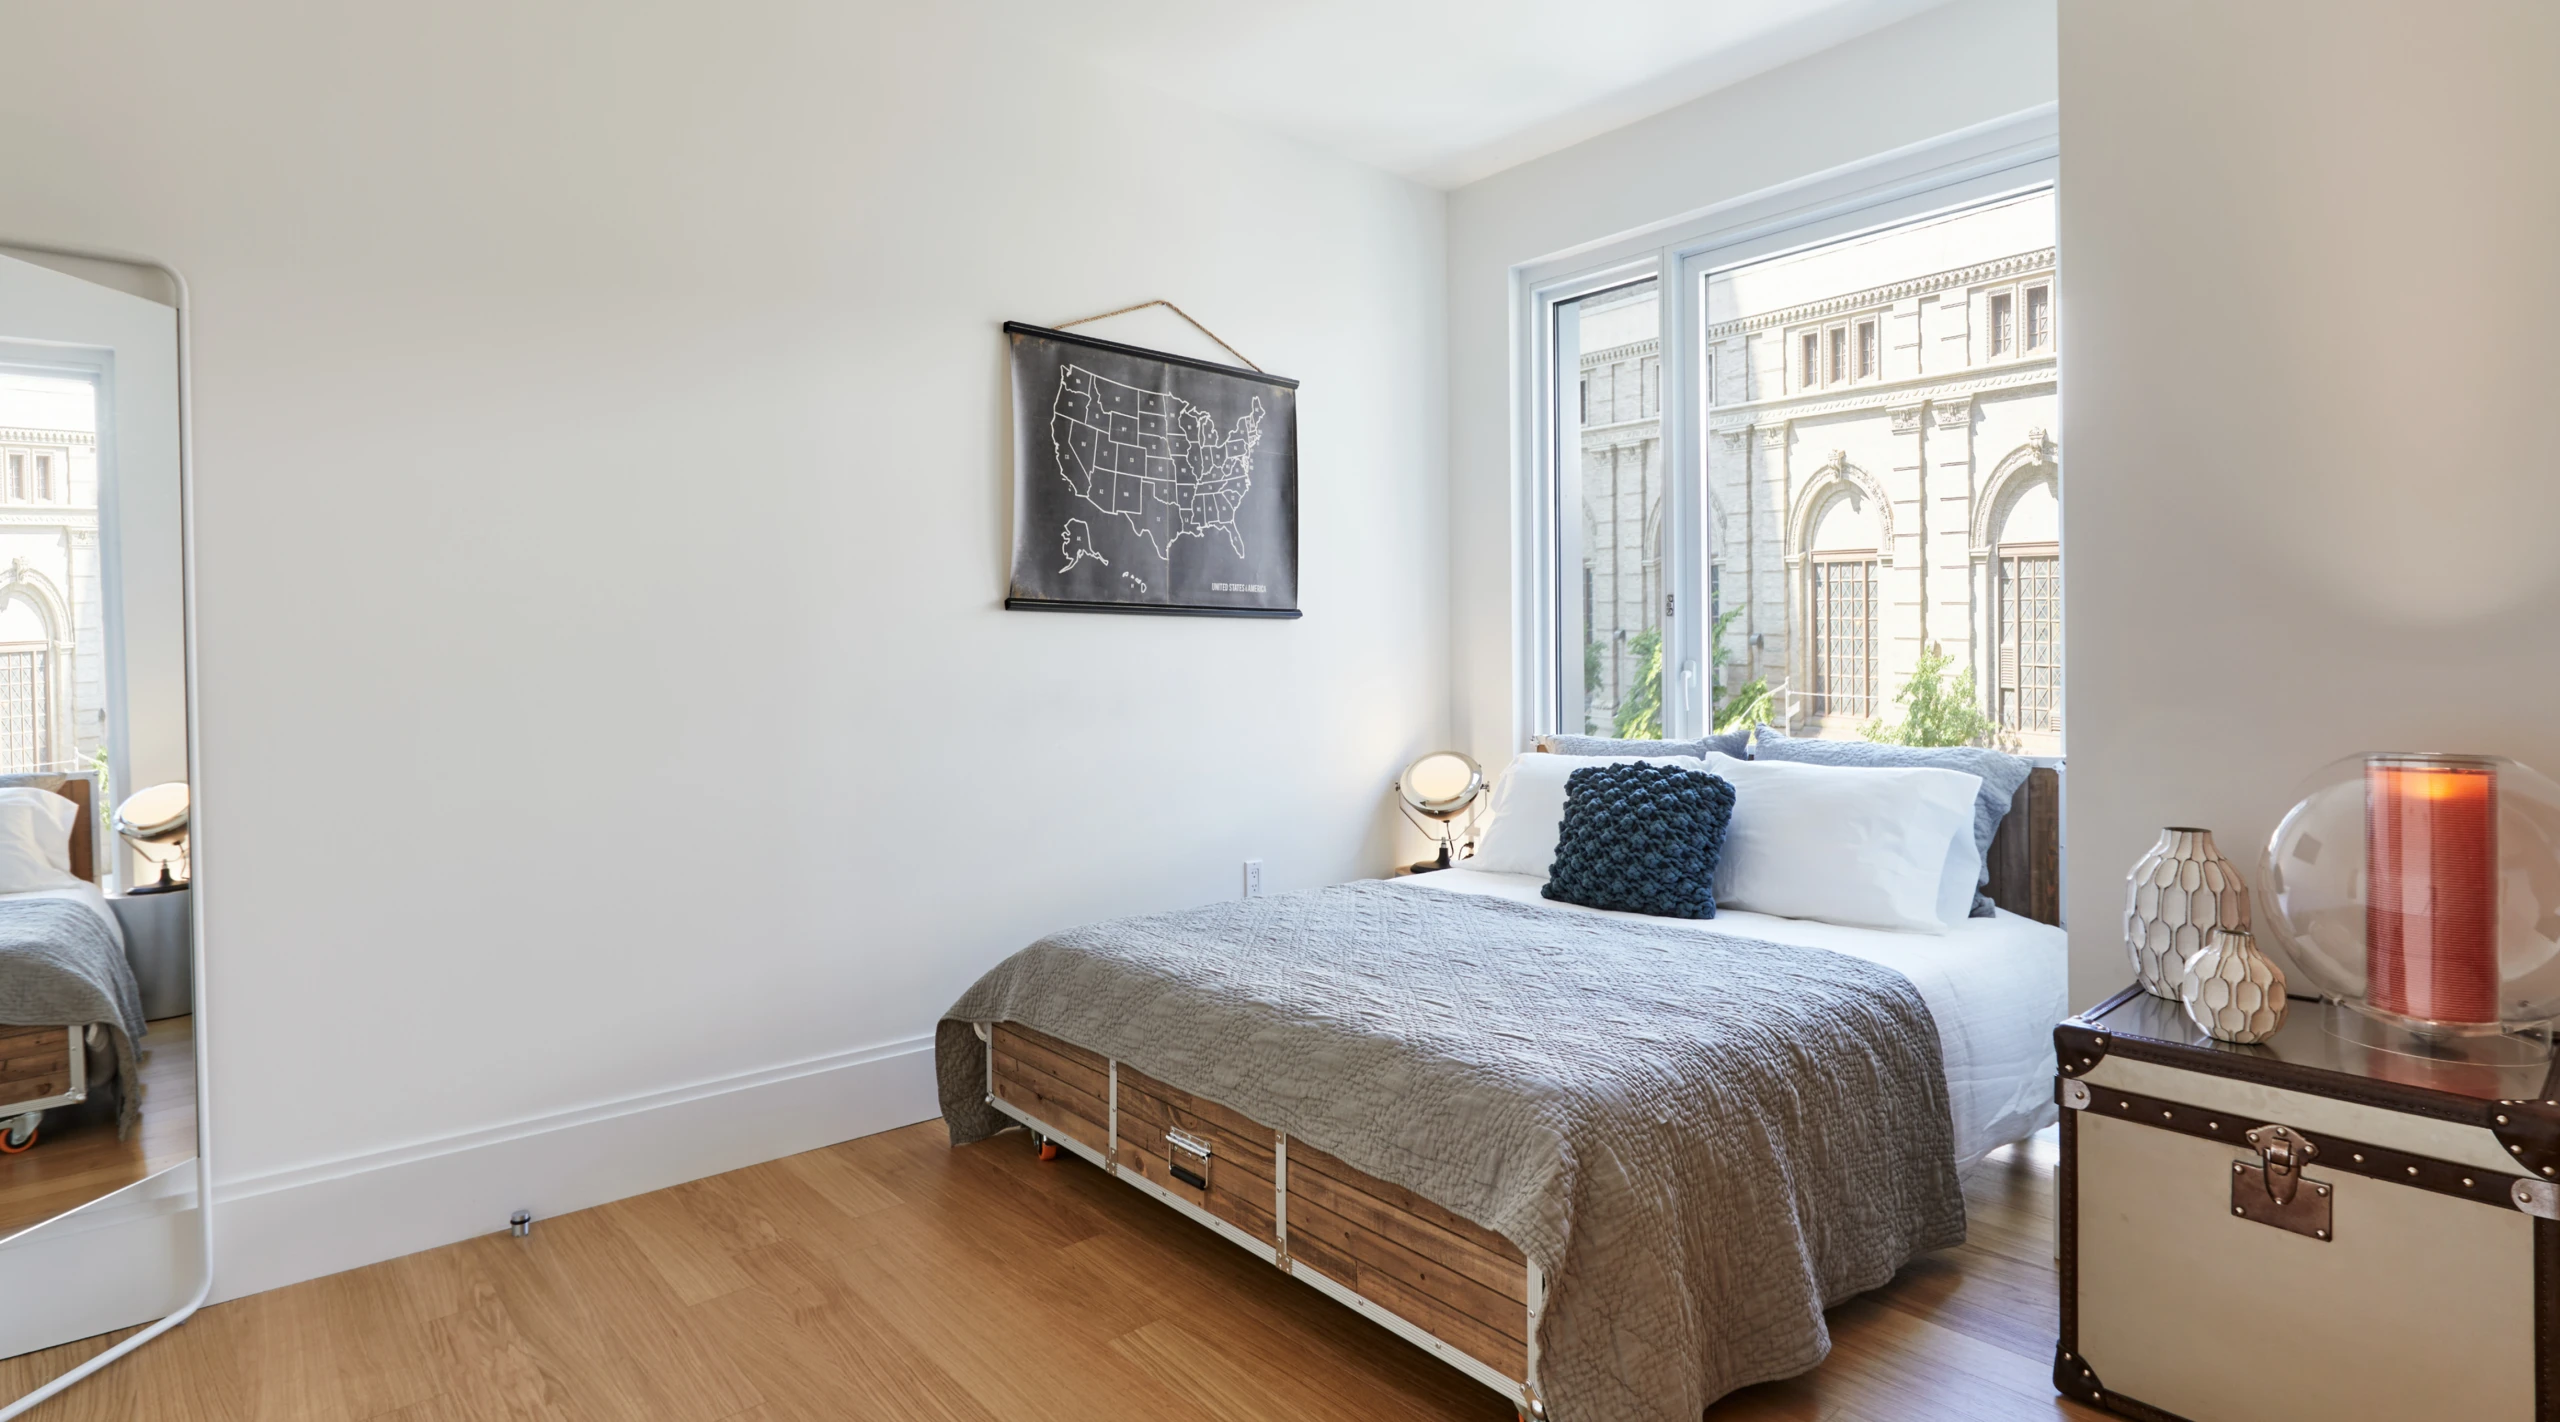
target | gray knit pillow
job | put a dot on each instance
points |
(2001, 774)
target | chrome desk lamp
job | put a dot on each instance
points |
(1441, 786)
(154, 822)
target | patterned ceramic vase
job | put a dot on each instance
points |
(2233, 991)
(2180, 892)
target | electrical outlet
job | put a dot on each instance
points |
(1253, 878)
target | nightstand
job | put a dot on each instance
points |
(2311, 1227)
(160, 945)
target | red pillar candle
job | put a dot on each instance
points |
(2431, 898)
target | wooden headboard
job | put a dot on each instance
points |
(2026, 855)
(80, 789)
(2025, 862)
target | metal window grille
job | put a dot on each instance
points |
(26, 709)
(1844, 603)
(2003, 324)
(2039, 317)
(2031, 639)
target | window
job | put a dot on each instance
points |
(1613, 489)
(2031, 639)
(44, 476)
(1797, 519)
(17, 476)
(1843, 628)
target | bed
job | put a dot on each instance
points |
(70, 1013)
(1609, 1165)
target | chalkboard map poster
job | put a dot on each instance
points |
(1148, 482)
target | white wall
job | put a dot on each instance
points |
(1943, 70)
(2307, 255)
(602, 517)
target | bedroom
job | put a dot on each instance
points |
(609, 790)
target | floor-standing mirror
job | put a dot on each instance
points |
(101, 1142)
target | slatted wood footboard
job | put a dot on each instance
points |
(1459, 1291)
(38, 1066)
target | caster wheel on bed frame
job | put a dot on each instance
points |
(20, 1133)
(1048, 1147)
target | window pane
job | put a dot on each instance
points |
(1619, 493)
(52, 635)
(1834, 586)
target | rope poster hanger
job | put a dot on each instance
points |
(1176, 310)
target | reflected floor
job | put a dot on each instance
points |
(71, 1165)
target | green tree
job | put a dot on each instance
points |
(1640, 714)
(1936, 712)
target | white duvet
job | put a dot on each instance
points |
(1996, 987)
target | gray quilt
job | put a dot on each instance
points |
(1702, 1141)
(60, 967)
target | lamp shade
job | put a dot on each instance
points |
(2423, 890)
(154, 815)
(1441, 784)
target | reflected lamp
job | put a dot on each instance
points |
(154, 822)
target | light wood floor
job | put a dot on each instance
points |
(71, 1165)
(894, 1277)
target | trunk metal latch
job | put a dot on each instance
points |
(2272, 1189)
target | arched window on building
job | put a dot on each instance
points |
(1840, 608)
(2029, 602)
(26, 688)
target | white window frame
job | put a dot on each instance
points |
(1973, 165)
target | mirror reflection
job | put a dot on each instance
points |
(98, 1083)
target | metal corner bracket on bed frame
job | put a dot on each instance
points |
(1521, 1391)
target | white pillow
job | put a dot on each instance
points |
(1866, 846)
(35, 840)
(1528, 809)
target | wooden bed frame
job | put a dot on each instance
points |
(1458, 1291)
(45, 1067)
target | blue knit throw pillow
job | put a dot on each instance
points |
(1641, 837)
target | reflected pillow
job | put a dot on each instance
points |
(35, 840)
(1641, 837)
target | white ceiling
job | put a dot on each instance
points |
(1447, 91)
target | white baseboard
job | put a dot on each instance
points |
(290, 1225)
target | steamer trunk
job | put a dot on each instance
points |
(2308, 1229)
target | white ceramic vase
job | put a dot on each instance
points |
(2232, 990)
(2176, 895)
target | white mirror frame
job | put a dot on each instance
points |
(187, 591)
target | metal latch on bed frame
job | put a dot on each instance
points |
(2272, 1190)
(1187, 1158)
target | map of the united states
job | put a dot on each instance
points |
(1153, 458)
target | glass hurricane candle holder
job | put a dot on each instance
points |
(2420, 894)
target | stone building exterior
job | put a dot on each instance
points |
(1621, 493)
(53, 693)
(1882, 471)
